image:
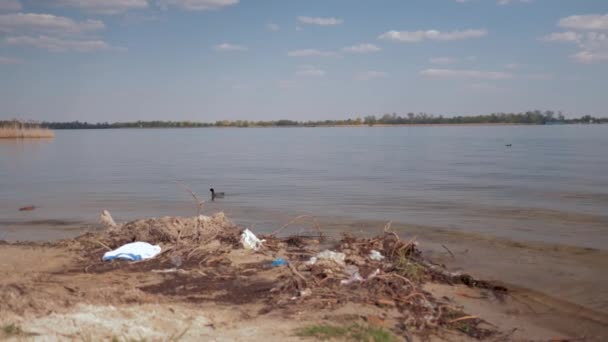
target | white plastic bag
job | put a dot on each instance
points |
(134, 251)
(250, 241)
(375, 255)
(353, 271)
(333, 256)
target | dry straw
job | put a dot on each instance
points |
(20, 130)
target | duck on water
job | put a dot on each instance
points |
(215, 195)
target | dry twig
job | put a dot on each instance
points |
(464, 318)
(199, 203)
(314, 220)
(449, 251)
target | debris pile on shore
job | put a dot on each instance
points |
(203, 259)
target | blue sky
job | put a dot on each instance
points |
(206, 60)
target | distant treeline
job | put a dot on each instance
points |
(529, 118)
(17, 124)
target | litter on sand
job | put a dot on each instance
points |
(375, 255)
(353, 271)
(336, 257)
(279, 262)
(107, 220)
(355, 276)
(133, 251)
(250, 241)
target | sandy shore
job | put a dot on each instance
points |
(62, 291)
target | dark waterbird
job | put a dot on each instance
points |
(28, 208)
(215, 195)
(509, 145)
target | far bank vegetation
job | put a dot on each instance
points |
(15, 129)
(536, 117)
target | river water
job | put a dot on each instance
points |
(550, 186)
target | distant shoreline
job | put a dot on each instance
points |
(411, 119)
(336, 126)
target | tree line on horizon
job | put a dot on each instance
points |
(529, 118)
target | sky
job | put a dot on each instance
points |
(208, 60)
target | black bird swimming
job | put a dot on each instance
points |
(509, 145)
(215, 195)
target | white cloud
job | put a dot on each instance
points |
(370, 75)
(310, 53)
(443, 60)
(585, 22)
(507, 2)
(567, 36)
(198, 5)
(105, 6)
(10, 5)
(46, 23)
(309, 70)
(466, 74)
(10, 60)
(60, 45)
(589, 57)
(226, 47)
(418, 36)
(320, 21)
(362, 48)
(592, 44)
(273, 27)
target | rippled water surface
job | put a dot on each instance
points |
(551, 185)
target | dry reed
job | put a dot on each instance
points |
(25, 132)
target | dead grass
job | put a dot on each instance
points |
(408, 268)
(25, 133)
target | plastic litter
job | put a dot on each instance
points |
(328, 255)
(133, 251)
(305, 293)
(355, 276)
(107, 220)
(279, 262)
(375, 255)
(373, 274)
(312, 261)
(353, 271)
(250, 241)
